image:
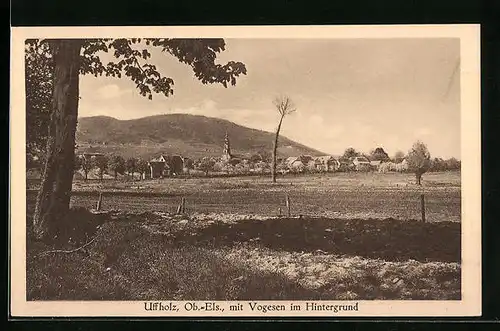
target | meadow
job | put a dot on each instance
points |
(345, 195)
(349, 236)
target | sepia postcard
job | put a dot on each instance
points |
(257, 171)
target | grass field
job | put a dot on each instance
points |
(351, 236)
(346, 195)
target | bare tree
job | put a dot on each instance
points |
(284, 106)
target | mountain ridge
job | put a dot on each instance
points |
(190, 135)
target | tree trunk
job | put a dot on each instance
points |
(275, 151)
(54, 195)
(418, 177)
(116, 175)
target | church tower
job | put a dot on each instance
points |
(226, 153)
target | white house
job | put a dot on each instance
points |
(361, 163)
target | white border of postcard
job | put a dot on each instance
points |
(469, 305)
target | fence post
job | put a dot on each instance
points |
(99, 202)
(422, 206)
(182, 206)
(288, 208)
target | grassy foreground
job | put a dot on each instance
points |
(229, 257)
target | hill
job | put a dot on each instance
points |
(190, 135)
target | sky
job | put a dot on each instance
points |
(360, 93)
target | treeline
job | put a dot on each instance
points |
(439, 164)
(113, 164)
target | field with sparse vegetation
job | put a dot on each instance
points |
(349, 236)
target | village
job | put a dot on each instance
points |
(166, 165)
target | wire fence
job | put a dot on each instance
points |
(429, 207)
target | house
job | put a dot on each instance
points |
(392, 166)
(305, 159)
(375, 164)
(326, 163)
(159, 167)
(290, 160)
(295, 164)
(165, 165)
(361, 163)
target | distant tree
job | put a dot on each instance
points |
(188, 165)
(282, 168)
(206, 165)
(116, 164)
(284, 106)
(419, 160)
(217, 167)
(255, 158)
(437, 164)
(398, 156)
(101, 163)
(349, 153)
(86, 164)
(311, 167)
(142, 167)
(131, 166)
(378, 154)
(265, 155)
(452, 164)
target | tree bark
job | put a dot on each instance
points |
(54, 195)
(418, 176)
(275, 150)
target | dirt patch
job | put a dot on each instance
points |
(351, 278)
(390, 239)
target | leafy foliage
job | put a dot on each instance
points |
(398, 156)
(439, 164)
(38, 83)
(116, 164)
(132, 57)
(142, 166)
(131, 165)
(419, 159)
(379, 155)
(350, 152)
(206, 165)
(101, 163)
(85, 163)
